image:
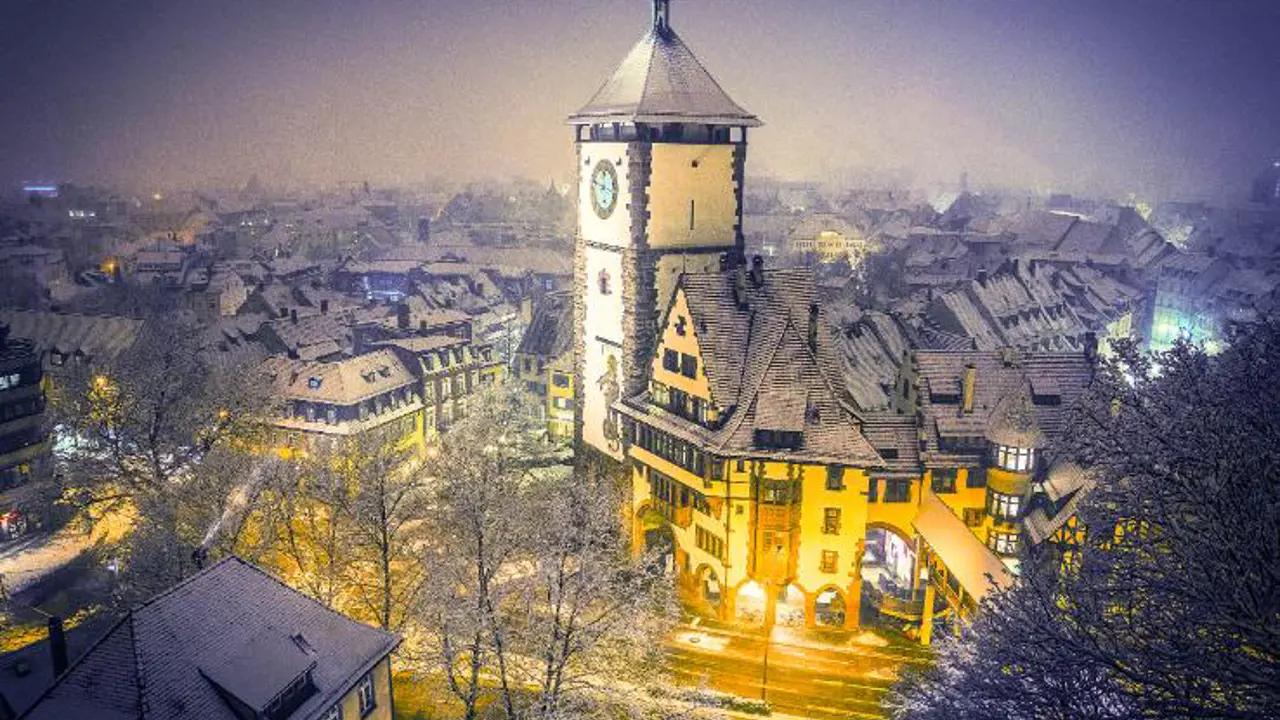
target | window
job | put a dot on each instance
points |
(560, 380)
(333, 713)
(835, 477)
(1003, 507)
(830, 561)
(944, 480)
(368, 700)
(606, 287)
(975, 478)
(973, 516)
(8, 381)
(1003, 543)
(709, 543)
(873, 490)
(1014, 459)
(331, 414)
(688, 366)
(671, 361)
(831, 521)
(897, 491)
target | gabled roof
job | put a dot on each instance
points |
(550, 332)
(97, 336)
(661, 81)
(344, 382)
(149, 665)
(757, 352)
(1045, 386)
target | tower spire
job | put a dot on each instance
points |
(662, 17)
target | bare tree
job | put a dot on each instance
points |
(534, 600)
(593, 617)
(136, 432)
(478, 524)
(1168, 605)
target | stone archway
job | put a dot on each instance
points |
(890, 558)
(710, 589)
(829, 608)
(750, 603)
(790, 610)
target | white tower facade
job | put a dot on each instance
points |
(661, 160)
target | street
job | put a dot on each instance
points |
(806, 678)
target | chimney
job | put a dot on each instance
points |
(982, 277)
(1013, 265)
(968, 382)
(293, 316)
(1031, 267)
(813, 328)
(402, 316)
(740, 286)
(757, 271)
(57, 645)
(324, 307)
(1091, 346)
(200, 556)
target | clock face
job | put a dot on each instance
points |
(604, 189)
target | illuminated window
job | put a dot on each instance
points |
(1003, 543)
(973, 516)
(1003, 507)
(1015, 459)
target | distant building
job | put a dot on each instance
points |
(544, 362)
(45, 265)
(230, 642)
(24, 443)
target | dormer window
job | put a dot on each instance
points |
(1014, 459)
(314, 383)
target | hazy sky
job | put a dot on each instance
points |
(1163, 96)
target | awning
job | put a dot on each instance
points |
(966, 558)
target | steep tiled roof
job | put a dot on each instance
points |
(660, 81)
(344, 382)
(550, 332)
(757, 353)
(93, 335)
(154, 662)
(1050, 381)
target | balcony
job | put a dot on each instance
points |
(681, 517)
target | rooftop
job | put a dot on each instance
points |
(168, 657)
(661, 81)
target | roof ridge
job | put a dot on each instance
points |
(390, 635)
(182, 583)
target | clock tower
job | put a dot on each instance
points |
(662, 154)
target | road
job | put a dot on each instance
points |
(819, 680)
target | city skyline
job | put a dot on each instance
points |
(1162, 99)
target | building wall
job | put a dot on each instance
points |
(692, 196)
(382, 687)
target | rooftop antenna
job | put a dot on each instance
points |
(662, 17)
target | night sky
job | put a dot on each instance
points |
(1166, 98)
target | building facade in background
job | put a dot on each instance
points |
(24, 441)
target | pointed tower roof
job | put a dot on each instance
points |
(661, 81)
